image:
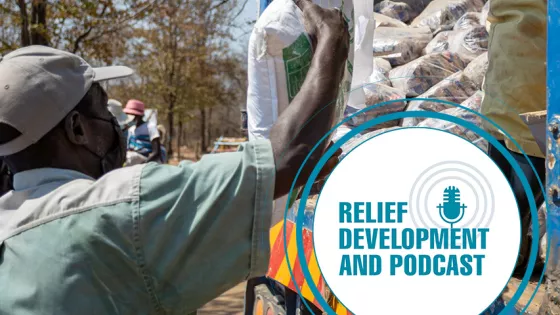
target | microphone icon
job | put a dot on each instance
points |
(451, 211)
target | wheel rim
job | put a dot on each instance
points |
(259, 307)
(270, 310)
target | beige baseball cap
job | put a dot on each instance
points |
(39, 86)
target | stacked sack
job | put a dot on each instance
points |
(428, 55)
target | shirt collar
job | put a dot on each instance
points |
(40, 176)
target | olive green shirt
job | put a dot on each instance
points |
(515, 82)
(148, 239)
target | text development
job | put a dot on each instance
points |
(446, 250)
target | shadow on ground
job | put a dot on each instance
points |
(229, 303)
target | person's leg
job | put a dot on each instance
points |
(520, 194)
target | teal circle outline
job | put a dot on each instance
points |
(430, 128)
(437, 101)
(395, 116)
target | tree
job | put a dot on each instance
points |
(97, 30)
(178, 48)
(181, 57)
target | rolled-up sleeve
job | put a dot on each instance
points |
(204, 227)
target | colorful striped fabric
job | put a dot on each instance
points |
(278, 267)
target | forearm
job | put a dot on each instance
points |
(156, 152)
(309, 117)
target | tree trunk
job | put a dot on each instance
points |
(170, 127)
(25, 39)
(211, 134)
(39, 23)
(203, 143)
(180, 137)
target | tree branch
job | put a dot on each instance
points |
(218, 5)
(80, 39)
(25, 38)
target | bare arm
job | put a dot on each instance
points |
(156, 151)
(310, 115)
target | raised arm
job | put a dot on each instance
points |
(311, 114)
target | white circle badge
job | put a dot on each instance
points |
(416, 221)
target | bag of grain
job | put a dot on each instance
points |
(472, 103)
(476, 70)
(417, 6)
(400, 45)
(484, 16)
(386, 21)
(468, 20)
(280, 54)
(396, 10)
(440, 43)
(457, 88)
(469, 43)
(381, 68)
(418, 76)
(445, 12)
(376, 95)
(381, 65)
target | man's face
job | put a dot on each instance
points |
(106, 139)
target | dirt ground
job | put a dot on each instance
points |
(535, 304)
(230, 303)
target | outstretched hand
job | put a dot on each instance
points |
(326, 25)
(331, 163)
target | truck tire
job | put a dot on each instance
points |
(266, 303)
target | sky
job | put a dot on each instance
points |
(249, 14)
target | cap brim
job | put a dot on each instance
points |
(110, 73)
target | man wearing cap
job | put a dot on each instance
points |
(79, 235)
(143, 137)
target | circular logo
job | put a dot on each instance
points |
(416, 221)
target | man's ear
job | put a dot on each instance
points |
(75, 129)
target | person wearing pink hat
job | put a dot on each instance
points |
(143, 137)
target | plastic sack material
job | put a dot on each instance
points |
(457, 88)
(381, 69)
(468, 20)
(445, 12)
(381, 65)
(472, 103)
(361, 138)
(484, 16)
(417, 77)
(396, 10)
(470, 42)
(417, 6)
(386, 21)
(280, 55)
(400, 45)
(439, 43)
(340, 132)
(377, 93)
(476, 70)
